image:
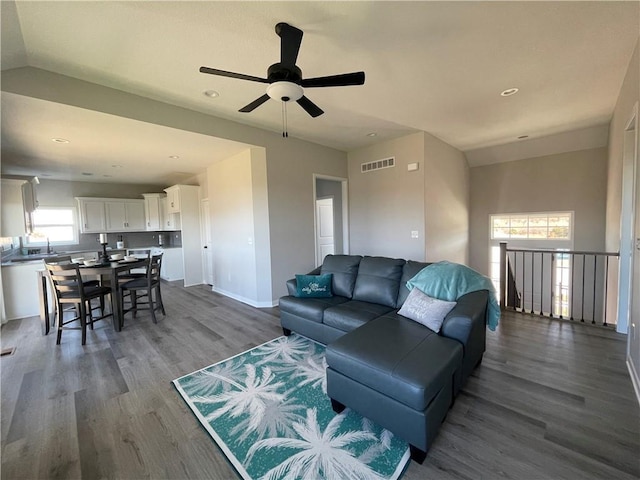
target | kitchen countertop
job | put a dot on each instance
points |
(14, 260)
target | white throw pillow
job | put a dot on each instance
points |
(426, 310)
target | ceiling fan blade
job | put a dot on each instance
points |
(224, 73)
(255, 104)
(310, 107)
(342, 80)
(291, 38)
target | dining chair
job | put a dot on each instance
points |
(69, 288)
(140, 288)
(141, 253)
(65, 260)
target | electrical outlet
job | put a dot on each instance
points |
(415, 234)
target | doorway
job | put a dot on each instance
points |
(325, 241)
(330, 216)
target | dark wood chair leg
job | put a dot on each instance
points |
(83, 323)
(152, 307)
(159, 300)
(337, 406)
(60, 320)
(417, 455)
(286, 331)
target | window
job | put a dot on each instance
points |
(54, 223)
(551, 231)
(532, 226)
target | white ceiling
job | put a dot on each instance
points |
(432, 66)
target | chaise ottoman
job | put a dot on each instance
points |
(397, 373)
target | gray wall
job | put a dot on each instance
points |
(446, 202)
(290, 163)
(386, 205)
(574, 181)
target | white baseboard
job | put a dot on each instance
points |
(634, 377)
(242, 299)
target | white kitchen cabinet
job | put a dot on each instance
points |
(12, 210)
(20, 290)
(187, 198)
(173, 198)
(125, 215)
(170, 221)
(152, 211)
(172, 264)
(92, 215)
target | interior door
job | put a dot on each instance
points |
(324, 229)
(207, 243)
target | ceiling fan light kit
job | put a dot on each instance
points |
(285, 78)
(285, 91)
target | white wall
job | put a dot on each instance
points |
(231, 203)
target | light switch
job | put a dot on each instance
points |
(412, 167)
(414, 234)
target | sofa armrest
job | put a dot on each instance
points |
(292, 285)
(467, 319)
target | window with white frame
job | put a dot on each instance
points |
(55, 224)
(541, 230)
(532, 226)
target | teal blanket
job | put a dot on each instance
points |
(449, 281)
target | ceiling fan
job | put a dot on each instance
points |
(285, 78)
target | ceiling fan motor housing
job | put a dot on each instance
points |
(285, 91)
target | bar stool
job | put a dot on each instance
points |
(139, 288)
(69, 288)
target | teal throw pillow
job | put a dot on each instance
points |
(314, 286)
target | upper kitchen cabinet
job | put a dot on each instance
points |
(13, 214)
(93, 218)
(153, 211)
(173, 197)
(125, 215)
(99, 215)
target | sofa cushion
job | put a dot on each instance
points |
(426, 310)
(378, 280)
(410, 269)
(315, 286)
(344, 269)
(352, 314)
(309, 308)
(397, 357)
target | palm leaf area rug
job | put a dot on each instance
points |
(268, 411)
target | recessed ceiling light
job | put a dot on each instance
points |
(116, 166)
(175, 157)
(87, 174)
(60, 140)
(45, 174)
(211, 93)
(509, 91)
(107, 176)
(372, 134)
(522, 137)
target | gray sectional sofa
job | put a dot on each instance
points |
(388, 368)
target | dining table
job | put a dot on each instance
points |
(108, 274)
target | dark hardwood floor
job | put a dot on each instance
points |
(552, 399)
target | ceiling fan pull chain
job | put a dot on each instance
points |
(285, 128)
